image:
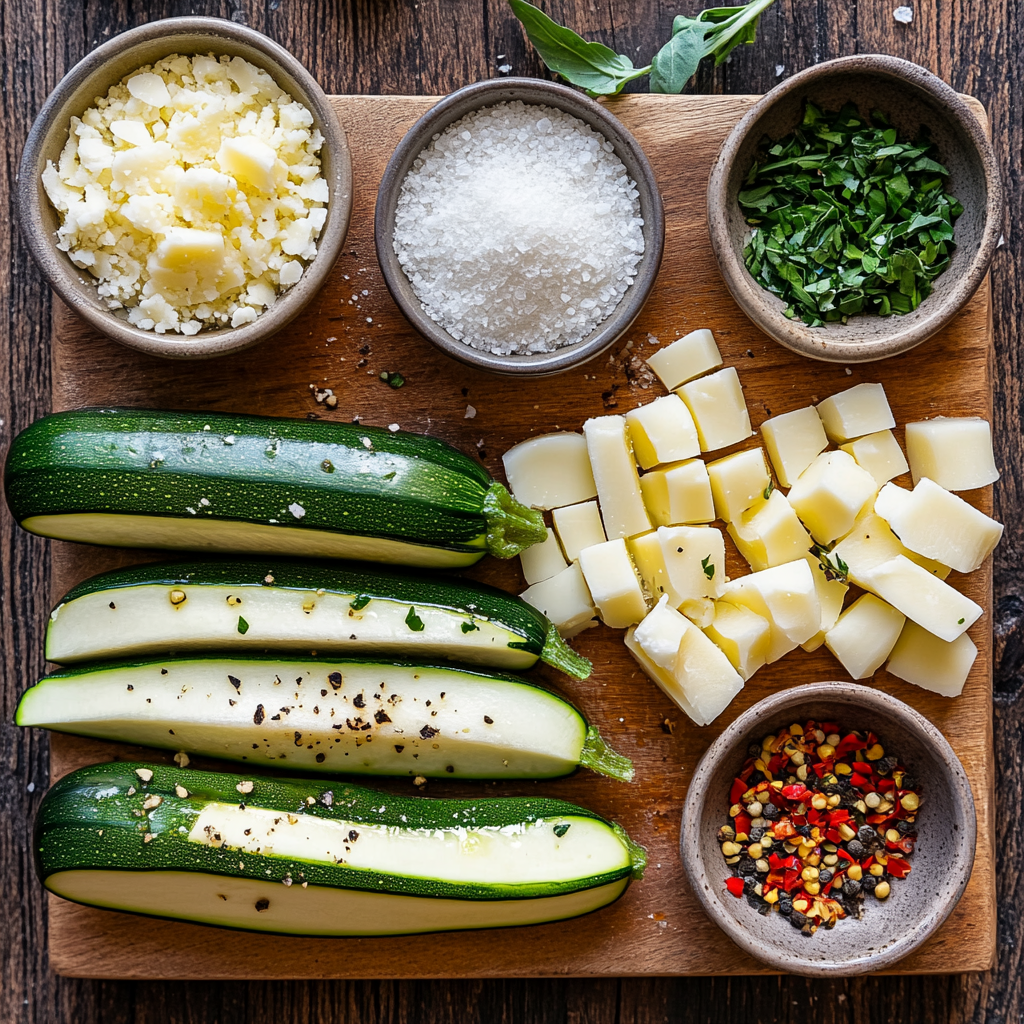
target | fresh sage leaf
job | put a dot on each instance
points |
(676, 62)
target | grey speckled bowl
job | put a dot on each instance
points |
(911, 96)
(92, 77)
(917, 905)
(528, 90)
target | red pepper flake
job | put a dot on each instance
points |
(739, 787)
(734, 885)
(897, 867)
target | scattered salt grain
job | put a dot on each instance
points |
(904, 15)
(470, 413)
(519, 229)
(779, 69)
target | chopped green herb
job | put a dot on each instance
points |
(847, 218)
(468, 627)
(360, 602)
(959, 622)
(393, 380)
(560, 830)
(830, 564)
(768, 490)
(243, 626)
(709, 569)
(413, 621)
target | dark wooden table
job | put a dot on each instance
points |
(434, 46)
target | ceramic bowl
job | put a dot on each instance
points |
(917, 905)
(91, 78)
(529, 91)
(911, 97)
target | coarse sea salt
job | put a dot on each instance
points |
(519, 229)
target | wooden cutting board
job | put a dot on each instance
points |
(350, 335)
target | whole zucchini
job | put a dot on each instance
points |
(310, 858)
(225, 482)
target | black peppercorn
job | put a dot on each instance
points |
(769, 811)
(904, 827)
(749, 885)
(866, 834)
(797, 920)
(756, 834)
(785, 906)
(868, 883)
(855, 848)
(824, 877)
(885, 765)
(746, 868)
(851, 887)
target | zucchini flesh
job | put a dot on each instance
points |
(140, 478)
(185, 844)
(289, 606)
(377, 718)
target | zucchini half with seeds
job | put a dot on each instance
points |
(303, 858)
(253, 605)
(219, 482)
(374, 718)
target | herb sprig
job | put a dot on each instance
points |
(715, 32)
(847, 218)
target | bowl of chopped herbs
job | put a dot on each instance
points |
(855, 208)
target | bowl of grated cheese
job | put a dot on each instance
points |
(519, 227)
(186, 188)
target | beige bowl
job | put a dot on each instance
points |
(917, 905)
(911, 96)
(92, 77)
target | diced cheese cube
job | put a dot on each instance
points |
(250, 160)
(689, 357)
(870, 543)
(680, 493)
(550, 471)
(865, 635)
(578, 527)
(859, 410)
(706, 675)
(794, 440)
(737, 482)
(922, 597)
(613, 583)
(718, 408)
(542, 561)
(937, 665)
(830, 494)
(955, 452)
(770, 533)
(699, 610)
(742, 635)
(831, 591)
(564, 599)
(694, 560)
(660, 634)
(650, 563)
(618, 483)
(880, 454)
(662, 431)
(662, 677)
(149, 88)
(185, 249)
(939, 524)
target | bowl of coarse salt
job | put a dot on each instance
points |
(519, 227)
(186, 188)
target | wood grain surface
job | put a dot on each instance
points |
(347, 338)
(432, 46)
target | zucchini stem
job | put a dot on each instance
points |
(636, 852)
(557, 653)
(511, 526)
(599, 757)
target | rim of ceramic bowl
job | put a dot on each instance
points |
(531, 91)
(75, 92)
(724, 748)
(763, 308)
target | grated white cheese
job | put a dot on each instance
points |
(192, 191)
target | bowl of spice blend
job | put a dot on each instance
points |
(855, 208)
(186, 188)
(830, 830)
(519, 227)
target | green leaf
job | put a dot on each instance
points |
(709, 569)
(360, 602)
(413, 621)
(243, 626)
(676, 62)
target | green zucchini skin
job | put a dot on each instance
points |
(136, 818)
(419, 499)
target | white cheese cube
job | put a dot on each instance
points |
(938, 524)
(922, 597)
(934, 664)
(699, 610)
(613, 583)
(680, 493)
(184, 249)
(564, 599)
(742, 635)
(865, 635)
(542, 561)
(250, 160)
(737, 482)
(578, 527)
(870, 543)
(662, 431)
(663, 678)
(650, 563)
(880, 454)
(859, 410)
(689, 357)
(718, 408)
(830, 494)
(794, 440)
(660, 634)
(955, 452)
(618, 483)
(550, 471)
(831, 591)
(706, 675)
(694, 560)
(770, 533)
